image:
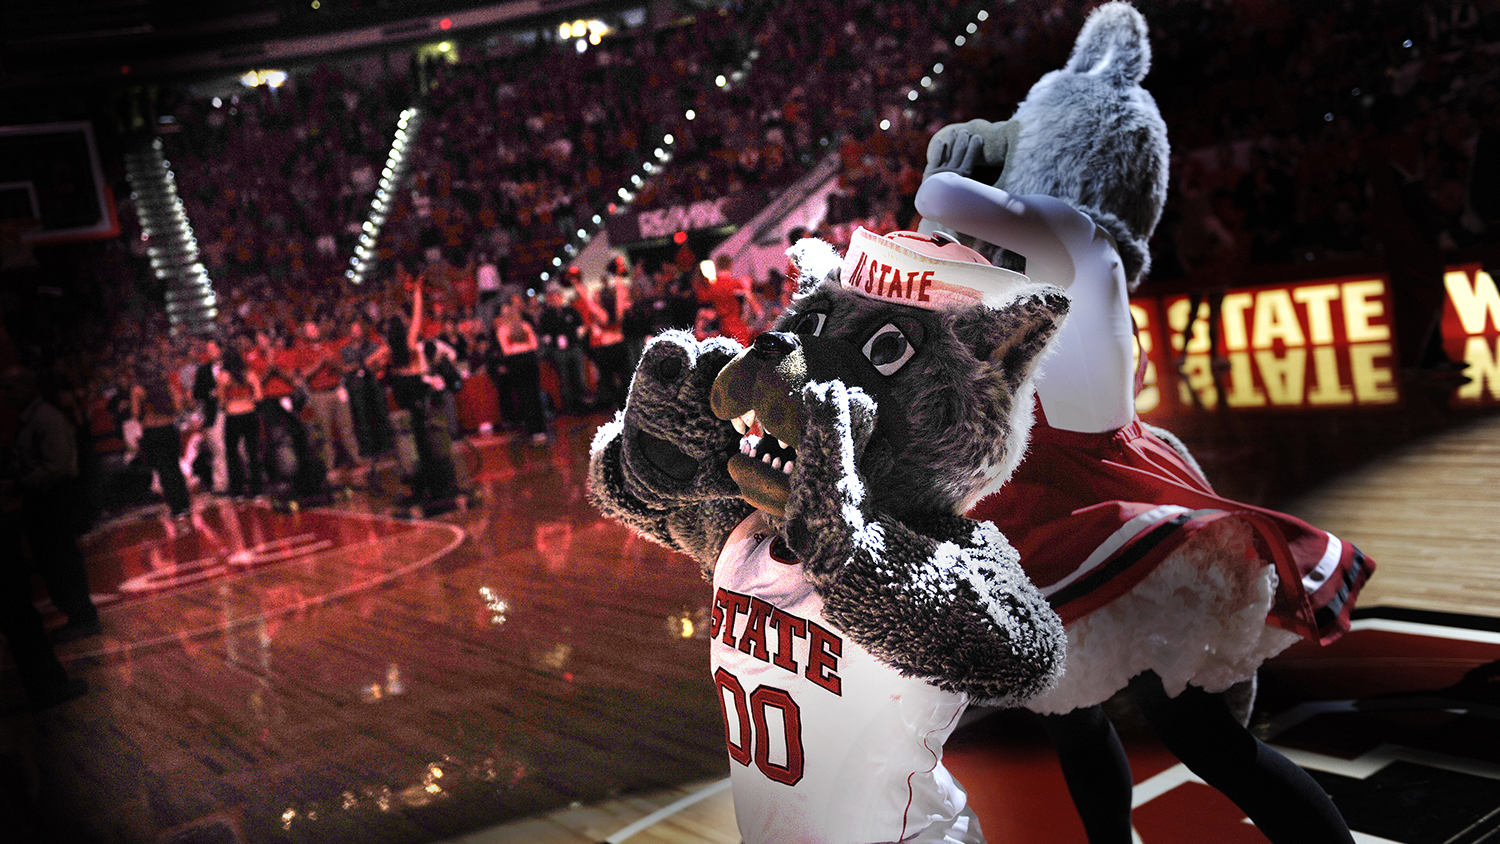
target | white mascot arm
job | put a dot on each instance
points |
(1086, 383)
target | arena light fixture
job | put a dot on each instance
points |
(390, 175)
(173, 248)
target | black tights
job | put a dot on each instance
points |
(1287, 805)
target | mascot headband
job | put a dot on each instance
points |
(924, 271)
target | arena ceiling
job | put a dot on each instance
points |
(47, 41)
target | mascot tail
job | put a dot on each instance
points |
(1113, 43)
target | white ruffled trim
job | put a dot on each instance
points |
(1199, 618)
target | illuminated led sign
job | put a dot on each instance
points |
(1308, 345)
(1471, 331)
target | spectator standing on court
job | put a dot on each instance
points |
(44, 472)
(240, 394)
(729, 295)
(561, 332)
(367, 410)
(46, 681)
(605, 307)
(518, 348)
(155, 403)
(210, 462)
(320, 366)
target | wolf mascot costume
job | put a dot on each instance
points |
(820, 477)
(1166, 589)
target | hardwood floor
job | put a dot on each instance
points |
(526, 671)
(1429, 514)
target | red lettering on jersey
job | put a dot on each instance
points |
(740, 751)
(788, 627)
(823, 658)
(885, 270)
(824, 646)
(732, 604)
(926, 280)
(755, 630)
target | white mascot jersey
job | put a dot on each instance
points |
(827, 745)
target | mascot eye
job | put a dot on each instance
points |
(889, 349)
(810, 323)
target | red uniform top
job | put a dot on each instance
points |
(726, 293)
(320, 361)
(273, 370)
(1093, 514)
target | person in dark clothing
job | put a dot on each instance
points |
(606, 307)
(562, 335)
(205, 393)
(44, 473)
(46, 681)
(517, 344)
(154, 403)
(372, 425)
(406, 370)
(240, 394)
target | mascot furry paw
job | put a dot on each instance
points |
(820, 476)
(1166, 589)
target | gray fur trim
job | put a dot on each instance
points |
(816, 260)
(667, 407)
(946, 602)
(1113, 42)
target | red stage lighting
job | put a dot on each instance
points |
(679, 238)
(445, 23)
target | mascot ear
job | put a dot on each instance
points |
(1115, 42)
(1011, 338)
(816, 262)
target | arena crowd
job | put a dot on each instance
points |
(1302, 133)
